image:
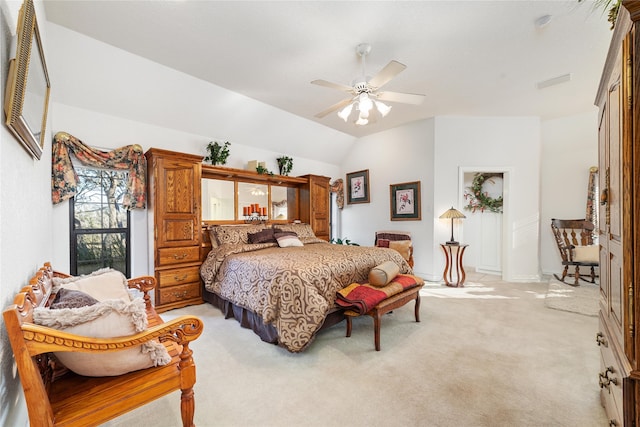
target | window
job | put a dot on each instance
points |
(99, 224)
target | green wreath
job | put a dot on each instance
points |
(480, 200)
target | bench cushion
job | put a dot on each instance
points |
(382, 274)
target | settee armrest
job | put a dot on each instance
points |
(144, 284)
(42, 339)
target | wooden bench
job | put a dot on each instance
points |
(56, 396)
(391, 303)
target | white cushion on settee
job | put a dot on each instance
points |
(115, 315)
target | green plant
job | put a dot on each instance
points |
(345, 241)
(610, 6)
(285, 164)
(263, 171)
(218, 153)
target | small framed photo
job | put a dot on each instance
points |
(358, 190)
(405, 201)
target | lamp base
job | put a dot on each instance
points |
(453, 243)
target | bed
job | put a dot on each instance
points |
(285, 294)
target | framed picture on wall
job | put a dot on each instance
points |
(358, 187)
(405, 201)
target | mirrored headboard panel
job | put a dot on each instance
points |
(232, 195)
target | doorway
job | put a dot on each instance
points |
(484, 200)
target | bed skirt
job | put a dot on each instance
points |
(250, 320)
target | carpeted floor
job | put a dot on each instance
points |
(489, 354)
(581, 299)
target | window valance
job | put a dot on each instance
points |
(64, 179)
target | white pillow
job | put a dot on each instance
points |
(590, 253)
(109, 318)
(287, 240)
(102, 284)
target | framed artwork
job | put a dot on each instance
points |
(405, 201)
(28, 86)
(358, 190)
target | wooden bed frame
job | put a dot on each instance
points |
(56, 396)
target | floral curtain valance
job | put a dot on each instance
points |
(337, 187)
(64, 179)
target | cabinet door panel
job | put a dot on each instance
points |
(177, 180)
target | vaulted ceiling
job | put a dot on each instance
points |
(481, 58)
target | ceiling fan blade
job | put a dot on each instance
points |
(383, 77)
(403, 98)
(334, 107)
(333, 85)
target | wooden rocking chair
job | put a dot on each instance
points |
(574, 238)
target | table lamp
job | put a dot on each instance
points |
(452, 214)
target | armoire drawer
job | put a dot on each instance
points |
(178, 276)
(610, 379)
(179, 293)
(179, 255)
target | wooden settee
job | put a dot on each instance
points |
(56, 396)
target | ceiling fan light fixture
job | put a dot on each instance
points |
(362, 121)
(364, 103)
(345, 112)
(382, 108)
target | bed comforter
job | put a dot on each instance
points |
(291, 288)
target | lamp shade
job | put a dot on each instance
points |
(452, 214)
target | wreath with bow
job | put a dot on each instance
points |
(479, 200)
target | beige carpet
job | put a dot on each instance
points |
(490, 354)
(581, 299)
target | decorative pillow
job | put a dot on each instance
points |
(263, 236)
(589, 253)
(402, 246)
(236, 234)
(286, 240)
(106, 319)
(302, 230)
(102, 284)
(212, 236)
(383, 243)
(384, 273)
(67, 298)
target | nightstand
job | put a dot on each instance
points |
(453, 268)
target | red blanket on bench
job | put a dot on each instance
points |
(363, 297)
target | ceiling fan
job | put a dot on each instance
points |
(364, 92)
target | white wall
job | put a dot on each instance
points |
(569, 149)
(25, 220)
(494, 143)
(403, 154)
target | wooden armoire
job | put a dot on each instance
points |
(174, 203)
(619, 180)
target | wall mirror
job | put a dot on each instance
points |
(251, 196)
(28, 86)
(217, 200)
(279, 203)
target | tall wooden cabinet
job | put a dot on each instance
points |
(174, 203)
(619, 173)
(315, 206)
